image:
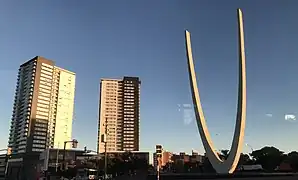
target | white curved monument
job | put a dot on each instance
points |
(229, 165)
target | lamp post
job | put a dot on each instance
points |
(158, 166)
(251, 148)
(246, 144)
(105, 141)
(57, 157)
(74, 145)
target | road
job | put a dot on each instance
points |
(200, 178)
(262, 178)
(247, 176)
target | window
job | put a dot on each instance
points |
(42, 101)
(43, 105)
(45, 85)
(47, 65)
(45, 79)
(44, 90)
(40, 129)
(41, 125)
(41, 117)
(47, 68)
(44, 98)
(40, 133)
(37, 150)
(44, 94)
(45, 76)
(39, 137)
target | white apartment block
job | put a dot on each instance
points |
(43, 107)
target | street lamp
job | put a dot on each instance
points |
(74, 143)
(158, 166)
(251, 148)
(104, 140)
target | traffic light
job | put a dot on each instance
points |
(85, 149)
(74, 143)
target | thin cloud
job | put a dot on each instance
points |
(290, 117)
(269, 115)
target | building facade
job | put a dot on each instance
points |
(187, 158)
(119, 114)
(162, 157)
(51, 160)
(3, 165)
(43, 107)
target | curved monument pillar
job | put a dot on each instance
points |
(229, 165)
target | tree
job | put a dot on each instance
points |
(292, 159)
(70, 173)
(268, 157)
(140, 164)
(245, 160)
(178, 166)
(116, 166)
(224, 153)
(193, 167)
(127, 163)
(187, 167)
(168, 167)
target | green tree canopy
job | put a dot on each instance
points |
(268, 157)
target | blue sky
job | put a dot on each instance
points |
(98, 39)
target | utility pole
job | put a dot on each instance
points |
(74, 143)
(57, 157)
(64, 153)
(158, 167)
(252, 150)
(105, 141)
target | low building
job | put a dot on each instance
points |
(3, 166)
(22, 165)
(195, 157)
(139, 154)
(166, 158)
(185, 158)
(51, 160)
(36, 165)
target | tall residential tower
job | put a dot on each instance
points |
(119, 114)
(43, 107)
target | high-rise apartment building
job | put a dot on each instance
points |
(119, 114)
(43, 107)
